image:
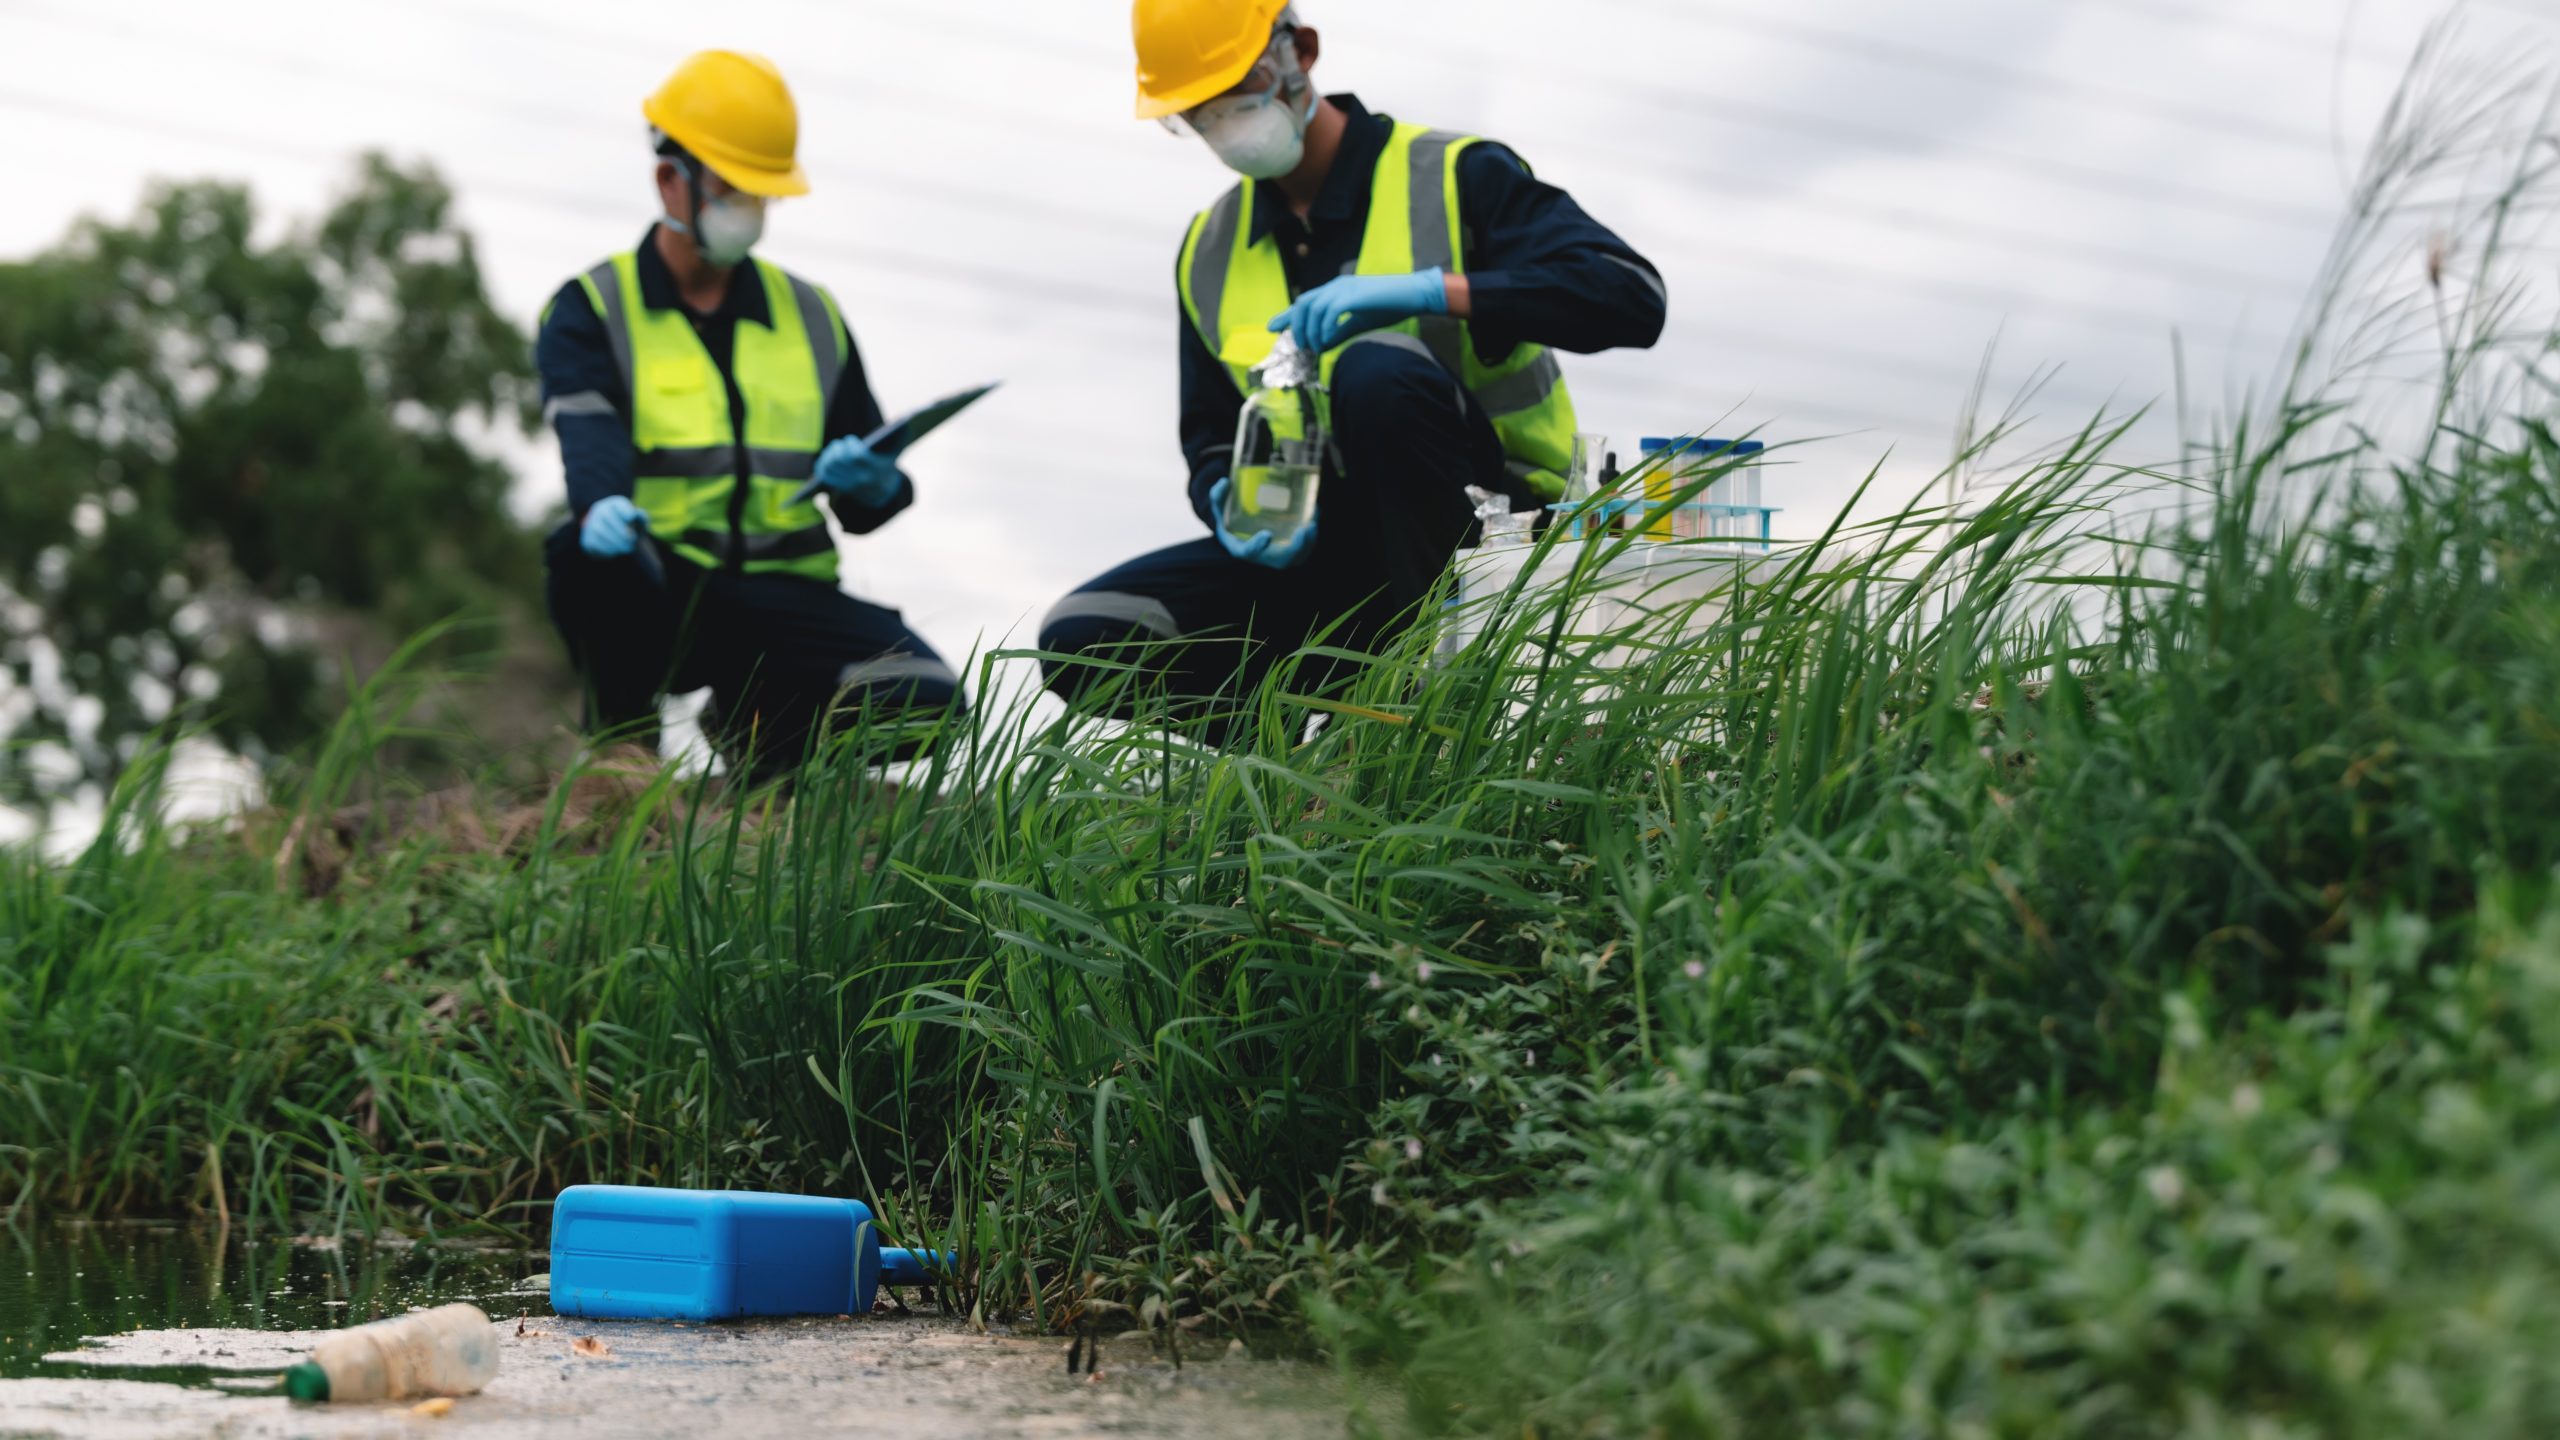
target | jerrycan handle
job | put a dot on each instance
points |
(911, 1267)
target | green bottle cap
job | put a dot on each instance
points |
(307, 1381)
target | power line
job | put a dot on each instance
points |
(1917, 372)
(1686, 396)
(1012, 205)
(2222, 19)
(2152, 189)
(1031, 289)
(2224, 123)
(805, 66)
(2112, 257)
(1043, 288)
(2095, 314)
(1137, 308)
(561, 117)
(2096, 179)
(1617, 379)
(2115, 259)
(1121, 303)
(2526, 8)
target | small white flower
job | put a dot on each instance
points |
(1378, 1193)
(1695, 969)
(2166, 1185)
(1377, 981)
(1413, 1149)
(1529, 1059)
(1422, 972)
(2246, 1102)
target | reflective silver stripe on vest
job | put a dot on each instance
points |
(585, 402)
(1144, 611)
(720, 462)
(1209, 263)
(820, 325)
(1525, 391)
(892, 668)
(617, 321)
(1433, 245)
(797, 544)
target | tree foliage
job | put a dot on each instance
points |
(229, 458)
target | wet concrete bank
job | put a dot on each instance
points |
(117, 1331)
(881, 1376)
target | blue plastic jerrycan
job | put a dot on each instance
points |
(634, 1252)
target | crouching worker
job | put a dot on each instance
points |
(1435, 276)
(695, 390)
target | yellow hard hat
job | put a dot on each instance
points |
(733, 112)
(1195, 50)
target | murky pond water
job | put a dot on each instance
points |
(63, 1284)
(144, 1332)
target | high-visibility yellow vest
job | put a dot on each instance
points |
(711, 494)
(1232, 287)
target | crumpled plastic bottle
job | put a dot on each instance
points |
(450, 1350)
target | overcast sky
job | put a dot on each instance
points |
(1849, 198)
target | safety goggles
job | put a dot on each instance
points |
(714, 186)
(1262, 85)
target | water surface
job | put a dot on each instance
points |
(62, 1284)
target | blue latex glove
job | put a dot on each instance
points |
(1357, 304)
(1258, 549)
(612, 527)
(852, 469)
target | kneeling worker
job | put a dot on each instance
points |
(1434, 274)
(695, 391)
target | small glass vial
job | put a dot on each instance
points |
(1281, 443)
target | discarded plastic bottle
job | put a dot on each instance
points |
(450, 1350)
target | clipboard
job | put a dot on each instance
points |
(893, 439)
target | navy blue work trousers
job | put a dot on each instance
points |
(1387, 521)
(781, 655)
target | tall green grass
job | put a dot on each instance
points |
(2008, 970)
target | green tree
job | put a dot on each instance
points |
(226, 462)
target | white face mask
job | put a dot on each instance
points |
(1259, 130)
(729, 227)
(1262, 139)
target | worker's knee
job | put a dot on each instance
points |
(1097, 624)
(1381, 384)
(1093, 639)
(911, 686)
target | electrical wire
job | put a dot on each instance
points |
(2155, 190)
(2221, 18)
(1828, 41)
(1998, 300)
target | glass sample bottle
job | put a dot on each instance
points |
(1281, 443)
